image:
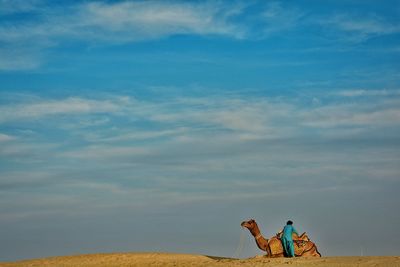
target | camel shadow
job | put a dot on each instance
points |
(219, 258)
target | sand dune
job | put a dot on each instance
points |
(171, 259)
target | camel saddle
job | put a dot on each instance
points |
(300, 243)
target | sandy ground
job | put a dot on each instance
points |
(170, 259)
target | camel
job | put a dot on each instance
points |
(303, 246)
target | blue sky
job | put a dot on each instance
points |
(161, 125)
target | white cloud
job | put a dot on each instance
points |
(362, 92)
(23, 151)
(107, 152)
(19, 58)
(109, 23)
(18, 6)
(70, 106)
(144, 20)
(246, 117)
(131, 21)
(342, 115)
(139, 134)
(123, 130)
(24, 44)
(279, 18)
(5, 137)
(372, 25)
(249, 117)
(358, 29)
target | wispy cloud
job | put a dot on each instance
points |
(278, 17)
(5, 137)
(147, 20)
(363, 92)
(43, 108)
(346, 115)
(360, 28)
(127, 21)
(247, 118)
(19, 6)
(106, 152)
(109, 23)
(19, 58)
(217, 129)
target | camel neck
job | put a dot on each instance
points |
(256, 231)
(262, 243)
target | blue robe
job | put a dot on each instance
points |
(287, 241)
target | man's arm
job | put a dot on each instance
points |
(294, 231)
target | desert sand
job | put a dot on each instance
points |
(171, 259)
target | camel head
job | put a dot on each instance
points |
(251, 224)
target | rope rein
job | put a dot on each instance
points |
(240, 246)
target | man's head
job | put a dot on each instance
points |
(289, 222)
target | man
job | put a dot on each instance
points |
(287, 241)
